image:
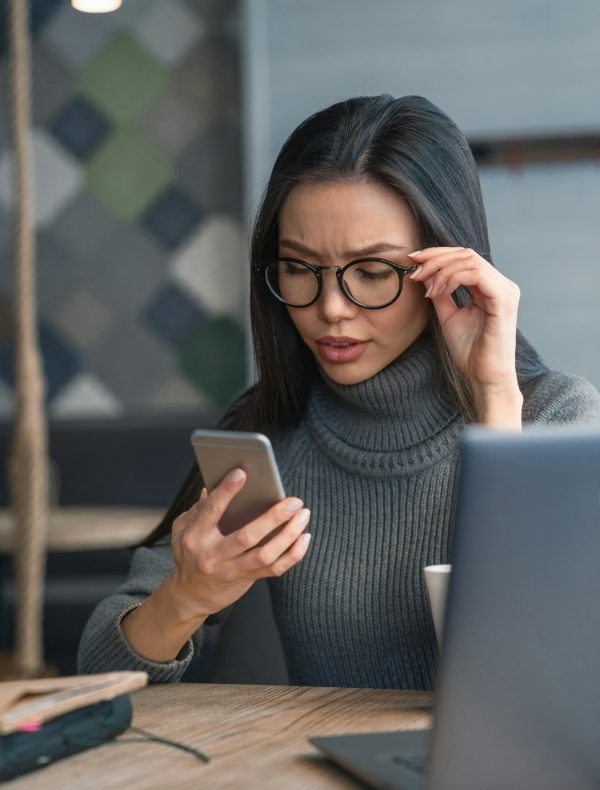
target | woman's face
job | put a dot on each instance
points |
(330, 225)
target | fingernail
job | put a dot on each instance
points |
(428, 291)
(416, 271)
(304, 517)
(416, 252)
(442, 289)
(293, 506)
(305, 539)
(236, 476)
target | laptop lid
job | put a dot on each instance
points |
(518, 696)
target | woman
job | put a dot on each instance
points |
(367, 373)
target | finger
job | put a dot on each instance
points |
(291, 557)
(458, 272)
(213, 504)
(470, 278)
(428, 252)
(444, 308)
(183, 519)
(489, 288)
(263, 556)
(249, 536)
(429, 267)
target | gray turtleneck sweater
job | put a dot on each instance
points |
(376, 464)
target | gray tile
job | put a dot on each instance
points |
(57, 177)
(52, 83)
(84, 226)
(83, 319)
(211, 169)
(122, 274)
(131, 363)
(126, 271)
(177, 394)
(59, 275)
(169, 29)
(173, 122)
(131, 13)
(85, 397)
(209, 75)
(210, 267)
(76, 37)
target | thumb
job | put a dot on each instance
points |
(219, 498)
(444, 308)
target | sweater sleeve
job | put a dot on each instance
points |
(103, 647)
(561, 398)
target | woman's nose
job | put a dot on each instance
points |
(333, 304)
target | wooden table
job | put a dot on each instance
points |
(256, 737)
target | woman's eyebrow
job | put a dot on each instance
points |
(372, 249)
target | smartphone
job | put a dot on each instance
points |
(218, 452)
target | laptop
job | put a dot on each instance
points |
(517, 702)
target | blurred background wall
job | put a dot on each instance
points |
(138, 176)
(522, 80)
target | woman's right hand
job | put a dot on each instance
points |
(213, 570)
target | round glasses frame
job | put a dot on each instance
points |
(401, 271)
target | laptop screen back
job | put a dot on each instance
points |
(518, 698)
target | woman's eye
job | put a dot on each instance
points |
(370, 274)
(294, 268)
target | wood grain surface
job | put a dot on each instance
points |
(256, 736)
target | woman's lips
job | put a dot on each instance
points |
(341, 349)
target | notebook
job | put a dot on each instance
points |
(517, 702)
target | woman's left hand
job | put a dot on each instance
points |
(481, 338)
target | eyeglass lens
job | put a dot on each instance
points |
(372, 283)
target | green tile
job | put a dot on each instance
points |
(126, 174)
(124, 79)
(215, 360)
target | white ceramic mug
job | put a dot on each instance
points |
(436, 578)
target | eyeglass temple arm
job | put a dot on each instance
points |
(406, 269)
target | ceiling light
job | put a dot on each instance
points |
(96, 6)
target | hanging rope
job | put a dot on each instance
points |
(29, 453)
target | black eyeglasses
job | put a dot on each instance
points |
(368, 282)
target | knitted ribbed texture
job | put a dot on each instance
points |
(103, 647)
(376, 464)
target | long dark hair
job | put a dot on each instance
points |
(410, 146)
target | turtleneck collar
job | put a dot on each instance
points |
(395, 422)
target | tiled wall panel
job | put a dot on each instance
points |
(136, 144)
